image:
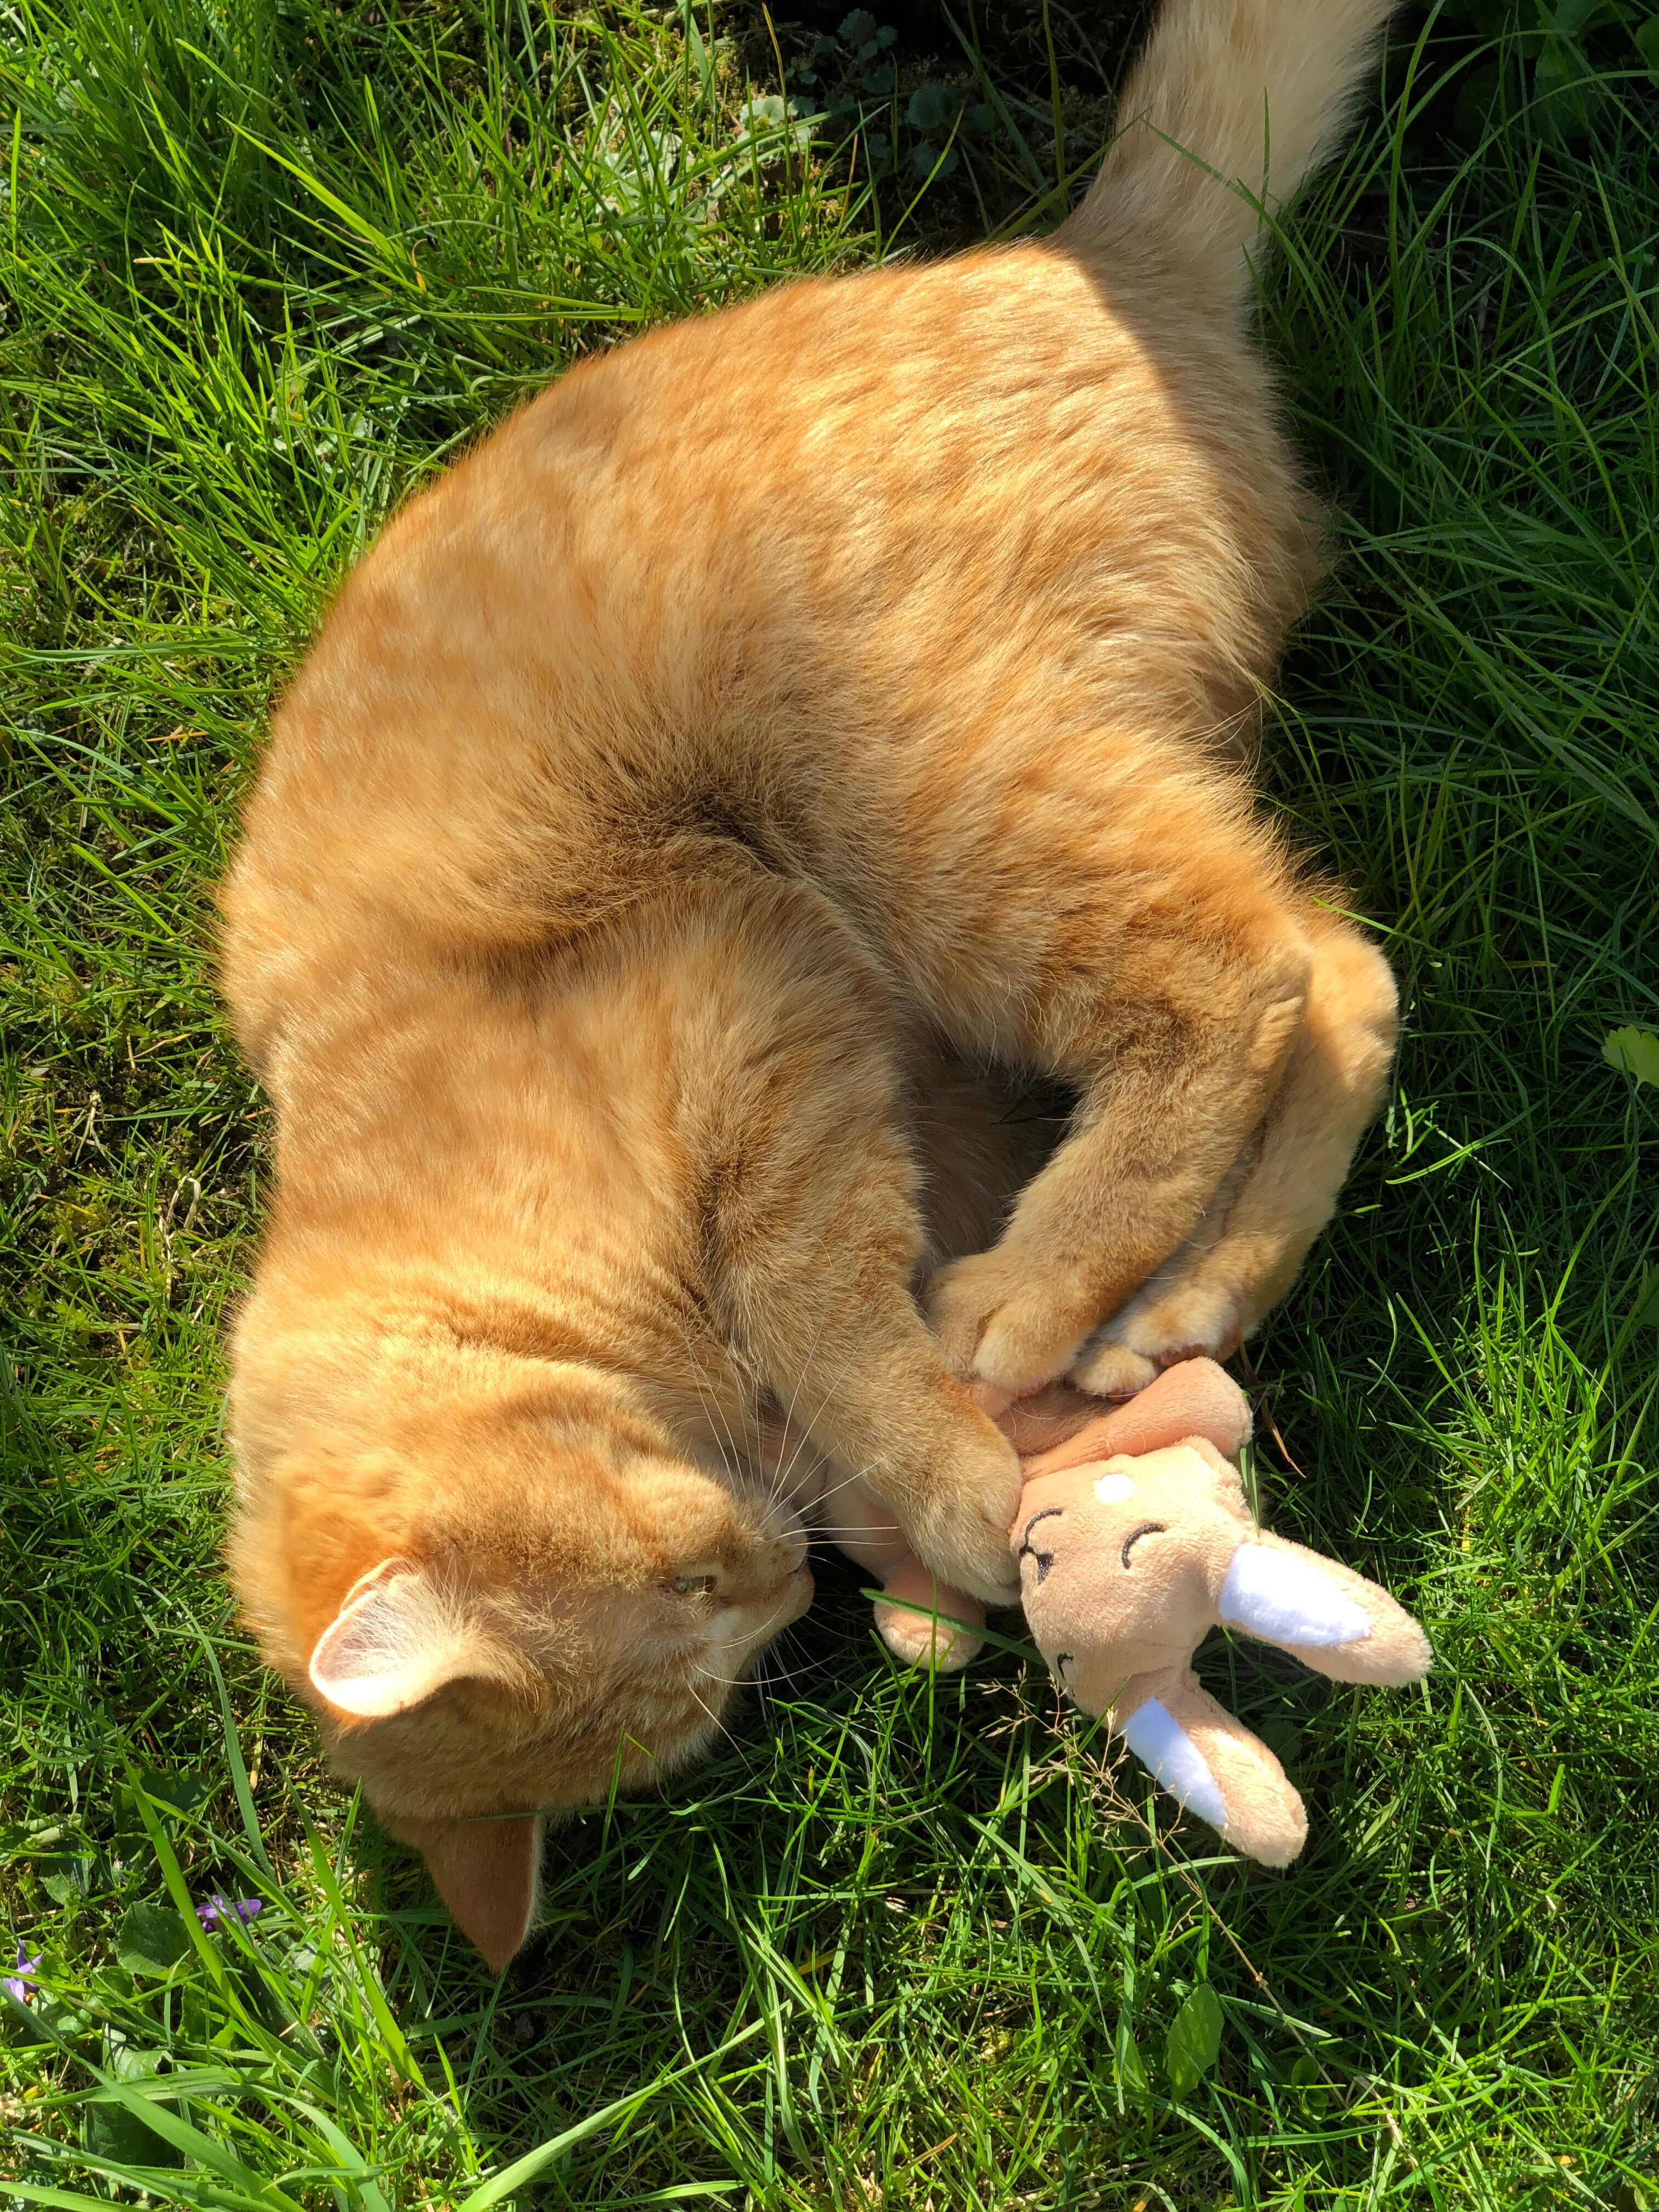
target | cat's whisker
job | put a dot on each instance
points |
(835, 1489)
(794, 1394)
(828, 1392)
(718, 1721)
(826, 1398)
(824, 1529)
(809, 1666)
(732, 1458)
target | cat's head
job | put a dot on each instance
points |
(503, 1599)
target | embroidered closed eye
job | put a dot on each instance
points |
(1029, 1550)
(1146, 1528)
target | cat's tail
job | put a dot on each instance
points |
(1231, 106)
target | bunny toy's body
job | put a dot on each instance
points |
(1133, 1540)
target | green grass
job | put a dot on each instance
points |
(264, 265)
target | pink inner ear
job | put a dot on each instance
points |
(394, 1642)
(489, 1874)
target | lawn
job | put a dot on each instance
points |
(264, 265)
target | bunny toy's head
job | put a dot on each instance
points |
(1134, 1540)
(1137, 1548)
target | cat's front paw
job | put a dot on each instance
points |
(996, 1320)
(930, 1625)
(958, 1525)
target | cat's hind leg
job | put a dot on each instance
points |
(1282, 1189)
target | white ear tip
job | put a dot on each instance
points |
(1175, 1761)
(1286, 1599)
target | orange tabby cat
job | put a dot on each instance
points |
(781, 715)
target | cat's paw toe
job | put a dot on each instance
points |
(1200, 1321)
(1112, 1371)
(995, 1322)
(1197, 1321)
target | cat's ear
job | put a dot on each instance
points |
(489, 1874)
(395, 1640)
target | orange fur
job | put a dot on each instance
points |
(780, 716)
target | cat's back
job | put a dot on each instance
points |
(704, 552)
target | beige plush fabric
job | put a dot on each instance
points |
(1131, 1546)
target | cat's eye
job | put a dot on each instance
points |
(693, 1585)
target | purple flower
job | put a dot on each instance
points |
(219, 1909)
(17, 1985)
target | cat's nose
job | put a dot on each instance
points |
(799, 1592)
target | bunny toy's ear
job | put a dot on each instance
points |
(1330, 1618)
(1214, 1767)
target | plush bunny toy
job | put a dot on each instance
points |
(1133, 1541)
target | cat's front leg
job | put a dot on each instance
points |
(862, 1376)
(810, 1233)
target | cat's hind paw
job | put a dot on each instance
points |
(1157, 1328)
